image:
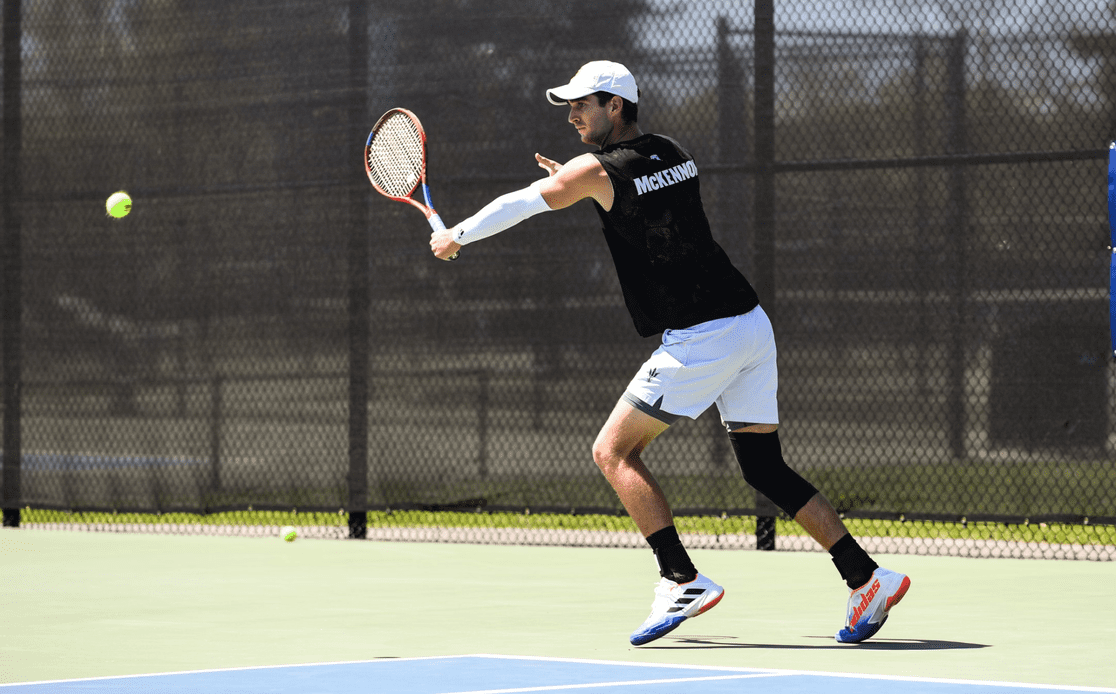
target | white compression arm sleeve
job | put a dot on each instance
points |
(502, 213)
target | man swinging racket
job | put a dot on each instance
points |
(717, 342)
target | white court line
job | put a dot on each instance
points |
(812, 673)
(628, 683)
(946, 680)
(745, 673)
(634, 663)
(245, 668)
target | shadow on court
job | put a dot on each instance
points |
(670, 643)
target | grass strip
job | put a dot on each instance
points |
(1060, 533)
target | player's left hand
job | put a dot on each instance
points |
(549, 165)
(442, 244)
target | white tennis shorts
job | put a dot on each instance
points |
(728, 361)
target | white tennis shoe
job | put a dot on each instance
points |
(870, 603)
(675, 603)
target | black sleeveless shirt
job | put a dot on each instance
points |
(674, 275)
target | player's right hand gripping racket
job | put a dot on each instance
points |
(395, 161)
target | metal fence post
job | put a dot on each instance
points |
(360, 288)
(764, 207)
(731, 212)
(957, 220)
(216, 417)
(12, 265)
(484, 387)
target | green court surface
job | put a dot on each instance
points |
(81, 604)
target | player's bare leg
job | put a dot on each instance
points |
(820, 519)
(617, 453)
(682, 592)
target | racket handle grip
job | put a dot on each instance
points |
(437, 225)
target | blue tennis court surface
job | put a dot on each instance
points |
(488, 674)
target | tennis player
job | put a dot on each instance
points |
(717, 342)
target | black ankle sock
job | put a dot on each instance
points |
(674, 562)
(853, 563)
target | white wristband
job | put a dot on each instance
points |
(502, 213)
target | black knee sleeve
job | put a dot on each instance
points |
(761, 460)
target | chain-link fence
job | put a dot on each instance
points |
(915, 188)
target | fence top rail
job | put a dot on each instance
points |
(930, 161)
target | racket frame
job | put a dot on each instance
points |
(427, 209)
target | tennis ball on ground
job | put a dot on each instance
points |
(119, 204)
(288, 533)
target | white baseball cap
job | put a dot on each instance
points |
(597, 76)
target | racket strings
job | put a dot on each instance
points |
(395, 156)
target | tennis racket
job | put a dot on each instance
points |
(395, 161)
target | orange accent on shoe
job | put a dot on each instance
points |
(894, 599)
(711, 605)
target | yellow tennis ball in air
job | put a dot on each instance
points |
(119, 204)
(288, 533)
